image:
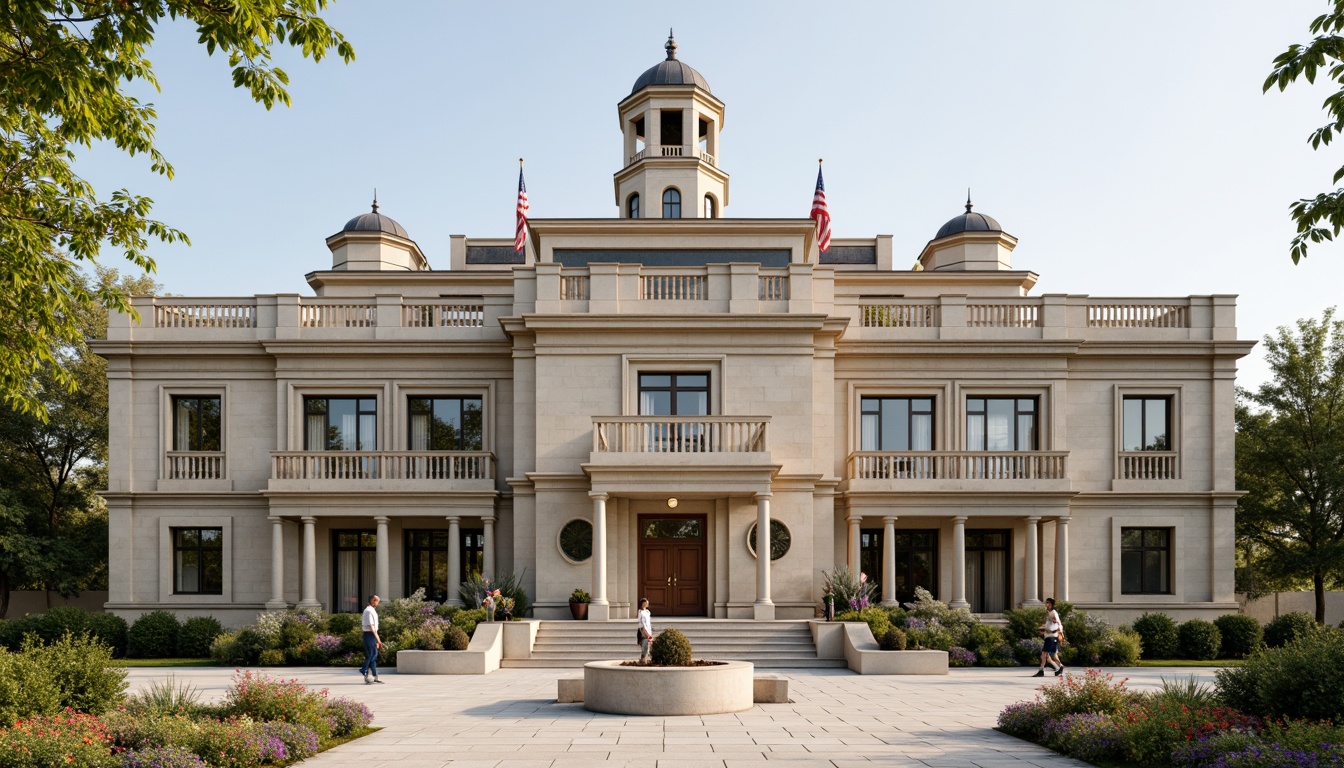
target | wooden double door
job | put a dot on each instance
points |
(673, 559)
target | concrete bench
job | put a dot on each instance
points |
(765, 689)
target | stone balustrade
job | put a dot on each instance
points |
(679, 434)
(959, 465)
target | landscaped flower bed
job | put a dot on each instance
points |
(1279, 709)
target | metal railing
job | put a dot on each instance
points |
(382, 465)
(680, 434)
(194, 465)
(958, 465)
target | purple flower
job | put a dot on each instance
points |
(347, 716)
(913, 623)
(327, 644)
(1025, 719)
(961, 657)
(161, 757)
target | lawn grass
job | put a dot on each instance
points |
(1191, 663)
(164, 663)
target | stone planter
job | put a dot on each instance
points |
(579, 611)
(481, 657)
(619, 690)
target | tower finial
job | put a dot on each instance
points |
(968, 199)
(375, 199)
(671, 46)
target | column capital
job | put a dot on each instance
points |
(488, 519)
(1033, 519)
(1063, 519)
(308, 520)
(382, 520)
(598, 496)
(764, 496)
(959, 519)
(276, 519)
(453, 519)
(853, 519)
(890, 519)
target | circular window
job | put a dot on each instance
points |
(780, 539)
(576, 540)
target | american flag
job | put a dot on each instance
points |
(520, 236)
(821, 214)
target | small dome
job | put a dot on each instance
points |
(670, 72)
(968, 222)
(373, 221)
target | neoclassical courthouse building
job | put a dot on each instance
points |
(625, 403)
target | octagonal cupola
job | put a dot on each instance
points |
(375, 241)
(968, 242)
(670, 123)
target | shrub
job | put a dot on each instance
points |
(340, 623)
(153, 636)
(1093, 691)
(296, 741)
(110, 629)
(960, 657)
(1188, 692)
(893, 640)
(161, 757)
(467, 620)
(1121, 648)
(73, 673)
(446, 611)
(193, 642)
(60, 621)
(929, 634)
(226, 650)
(1241, 635)
(347, 716)
(165, 697)
(671, 649)
(957, 621)
(262, 697)
(454, 639)
(876, 619)
(983, 637)
(1200, 639)
(1288, 627)
(47, 741)
(1159, 636)
(1304, 679)
(1153, 730)
(510, 585)
(1027, 651)
(1025, 720)
(1000, 655)
(271, 657)
(12, 631)
(852, 591)
(1086, 736)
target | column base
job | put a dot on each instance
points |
(277, 605)
(455, 601)
(763, 611)
(960, 604)
(599, 611)
(894, 601)
(308, 604)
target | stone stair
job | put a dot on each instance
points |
(768, 645)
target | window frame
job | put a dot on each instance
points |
(1035, 412)
(174, 400)
(1143, 549)
(167, 558)
(200, 551)
(461, 415)
(1175, 522)
(910, 413)
(1176, 395)
(358, 399)
(1144, 400)
(672, 205)
(711, 207)
(672, 389)
(364, 590)
(632, 206)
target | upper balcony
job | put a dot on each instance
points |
(347, 471)
(643, 289)
(670, 150)
(676, 440)
(923, 471)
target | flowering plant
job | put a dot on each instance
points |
(71, 738)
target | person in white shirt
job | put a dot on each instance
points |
(372, 643)
(1053, 632)
(645, 629)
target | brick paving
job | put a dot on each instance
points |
(836, 719)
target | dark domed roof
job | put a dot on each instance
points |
(670, 72)
(968, 222)
(373, 221)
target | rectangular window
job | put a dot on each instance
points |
(427, 560)
(354, 559)
(445, 424)
(673, 394)
(1147, 423)
(1001, 424)
(340, 424)
(196, 423)
(897, 423)
(1145, 561)
(987, 561)
(198, 561)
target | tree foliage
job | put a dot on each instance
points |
(53, 526)
(66, 66)
(1290, 458)
(1319, 218)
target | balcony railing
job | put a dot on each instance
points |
(338, 315)
(219, 313)
(573, 287)
(958, 465)
(773, 287)
(1149, 465)
(1003, 315)
(194, 465)
(914, 315)
(671, 150)
(673, 287)
(1138, 314)
(680, 434)
(443, 314)
(382, 465)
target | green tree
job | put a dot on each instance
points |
(1318, 218)
(66, 66)
(1290, 458)
(53, 526)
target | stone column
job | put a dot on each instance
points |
(764, 608)
(277, 601)
(454, 561)
(381, 579)
(1032, 584)
(1062, 557)
(959, 563)
(309, 564)
(854, 521)
(599, 609)
(889, 560)
(488, 545)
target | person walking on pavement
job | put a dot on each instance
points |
(372, 643)
(645, 629)
(1053, 632)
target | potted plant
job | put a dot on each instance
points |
(578, 604)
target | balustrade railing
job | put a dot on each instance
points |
(1003, 315)
(194, 465)
(680, 434)
(673, 287)
(670, 150)
(1137, 315)
(917, 315)
(337, 315)
(1149, 465)
(958, 465)
(573, 287)
(774, 287)
(205, 315)
(382, 465)
(443, 315)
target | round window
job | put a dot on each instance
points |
(576, 540)
(780, 539)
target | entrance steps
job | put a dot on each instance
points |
(766, 644)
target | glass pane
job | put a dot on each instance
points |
(368, 539)
(1153, 576)
(1131, 537)
(975, 405)
(655, 403)
(182, 424)
(1155, 537)
(868, 430)
(473, 425)
(975, 432)
(655, 380)
(210, 424)
(316, 405)
(188, 537)
(1027, 405)
(1026, 432)
(368, 405)
(188, 571)
(922, 405)
(1155, 425)
(996, 581)
(576, 540)
(896, 425)
(212, 538)
(368, 432)
(420, 405)
(340, 426)
(692, 380)
(672, 529)
(692, 403)
(212, 572)
(974, 590)
(447, 424)
(1131, 572)
(999, 425)
(1133, 418)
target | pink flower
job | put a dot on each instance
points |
(863, 578)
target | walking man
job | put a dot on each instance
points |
(1053, 632)
(372, 643)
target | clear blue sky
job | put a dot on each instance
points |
(1127, 145)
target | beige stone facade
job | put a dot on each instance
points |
(672, 383)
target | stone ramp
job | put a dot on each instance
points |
(767, 645)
